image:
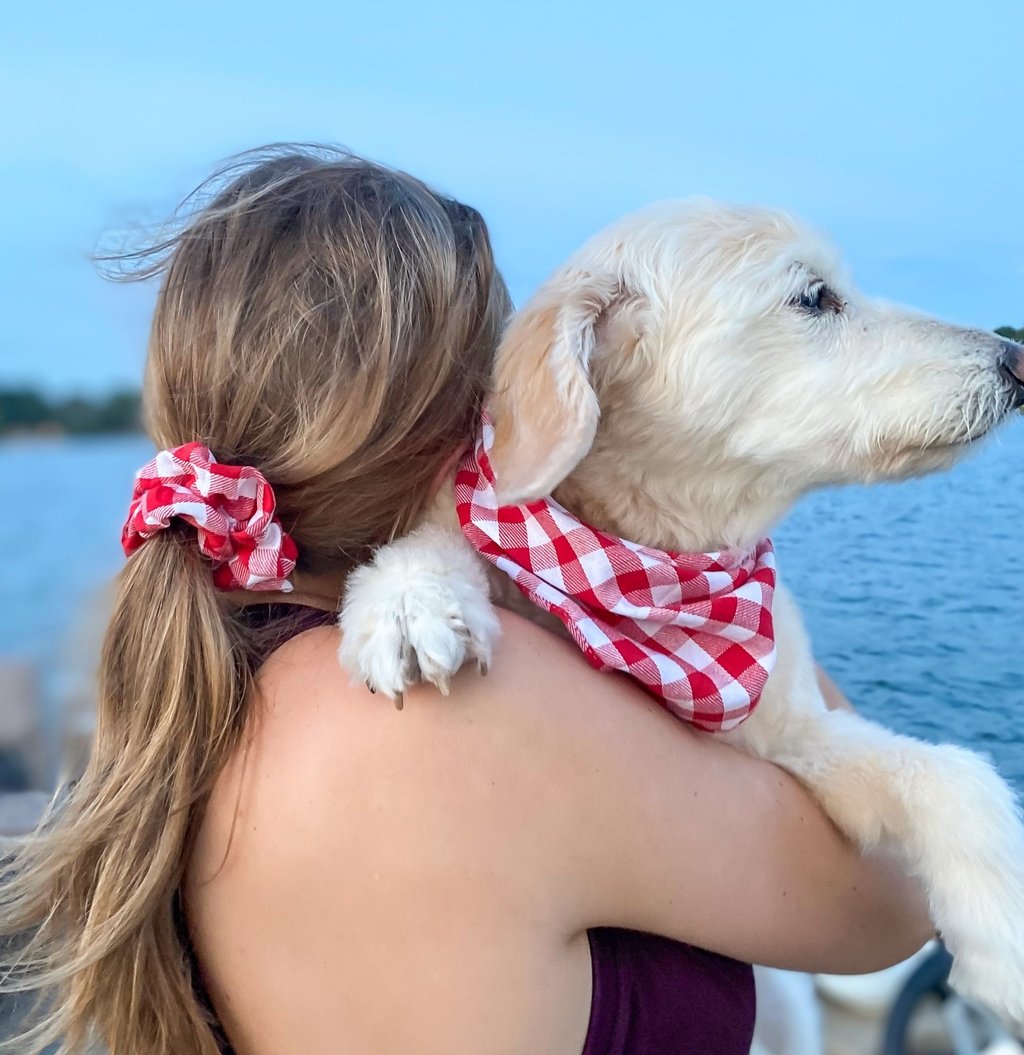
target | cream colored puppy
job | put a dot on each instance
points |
(681, 382)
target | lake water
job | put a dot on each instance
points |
(914, 593)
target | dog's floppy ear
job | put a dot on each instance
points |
(544, 407)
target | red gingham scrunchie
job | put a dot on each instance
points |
(694, 629)
(230, 506)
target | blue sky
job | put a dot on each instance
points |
(895, 126)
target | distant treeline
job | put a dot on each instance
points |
(26, 410)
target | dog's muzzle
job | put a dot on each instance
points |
(1011, 366)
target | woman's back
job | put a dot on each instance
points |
(424, 880)
(365, 901)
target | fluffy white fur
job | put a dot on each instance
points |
(419, 612)
(675, 383)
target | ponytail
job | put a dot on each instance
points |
(89, 902)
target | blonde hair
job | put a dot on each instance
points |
(331, 322)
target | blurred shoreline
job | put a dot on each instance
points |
(67, 495)
(28, 412)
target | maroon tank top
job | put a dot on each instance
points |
(651, 995)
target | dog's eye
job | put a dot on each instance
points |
(819, 299)
(810, 299)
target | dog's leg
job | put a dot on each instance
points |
(946, 808)
(955, 819)
(417, 613)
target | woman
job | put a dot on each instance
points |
(265, 856)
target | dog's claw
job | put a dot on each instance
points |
(416, 613)
(369, 685)
(399, 700)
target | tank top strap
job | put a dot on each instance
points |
(272, 625)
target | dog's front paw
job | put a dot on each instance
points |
(417, 613)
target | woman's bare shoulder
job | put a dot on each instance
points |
(308, 704)
(314, 654)
(315, 739)
(315, 736)
(548, 791)
(462, 785)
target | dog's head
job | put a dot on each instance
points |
(699, 342)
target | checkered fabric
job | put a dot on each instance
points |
(230, 506)
(694, 629)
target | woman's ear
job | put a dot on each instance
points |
(544, 407)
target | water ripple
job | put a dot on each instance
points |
(914, 595)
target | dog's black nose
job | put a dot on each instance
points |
(1011, 366)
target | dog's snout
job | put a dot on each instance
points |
(1011, 366)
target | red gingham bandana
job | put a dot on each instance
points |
(694, 629)
(231, 507)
